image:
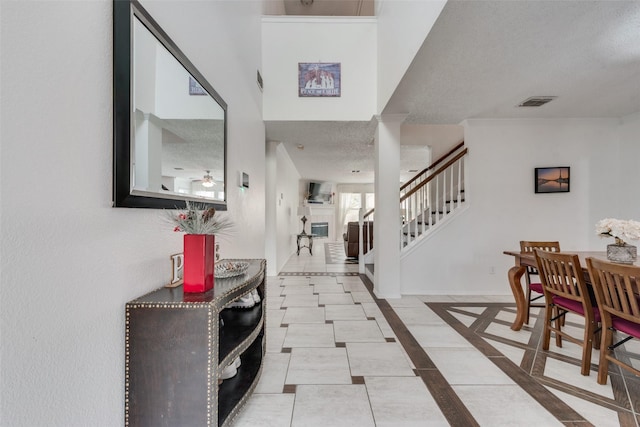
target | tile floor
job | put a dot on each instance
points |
(338, 356)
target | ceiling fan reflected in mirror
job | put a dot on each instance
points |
(207, 180)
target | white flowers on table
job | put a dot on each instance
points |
(622, 230)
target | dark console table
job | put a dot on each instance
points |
(176, 351)
(309, 238)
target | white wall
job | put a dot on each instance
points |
(286, 41)
(287, 202)
(465, 256)
(403, 26)
(628, 168)
(68, 260)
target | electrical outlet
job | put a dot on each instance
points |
(492, 270)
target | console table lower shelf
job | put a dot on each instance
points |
(176, 349)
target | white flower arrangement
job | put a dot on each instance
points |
(199, 219)
(622, 230)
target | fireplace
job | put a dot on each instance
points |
(320, 229)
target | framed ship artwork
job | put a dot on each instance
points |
(319, 79)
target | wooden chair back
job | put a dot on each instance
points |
(565, 290)
(529, 246)
(561, 275)
(617, 288)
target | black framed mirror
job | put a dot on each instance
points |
(169, 123)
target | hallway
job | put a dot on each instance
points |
(337, 356)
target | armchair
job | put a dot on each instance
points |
(352, 238)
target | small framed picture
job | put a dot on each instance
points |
(318, 79)
(552, 179)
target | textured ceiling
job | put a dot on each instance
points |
(480, 60)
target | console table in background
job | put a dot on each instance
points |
(309, 239)
(176, 350)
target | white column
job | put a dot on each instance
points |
(148, 155)
(271, 201)
(386, 228)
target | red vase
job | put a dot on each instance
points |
(199, 262)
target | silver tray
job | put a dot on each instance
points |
(230, 269)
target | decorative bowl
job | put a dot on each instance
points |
(230, 269)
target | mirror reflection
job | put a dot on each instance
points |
(178, 141)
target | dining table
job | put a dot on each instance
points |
(528, 259)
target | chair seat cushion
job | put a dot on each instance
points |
(536, 287)
(575, 306)
(626, 326)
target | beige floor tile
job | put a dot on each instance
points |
(328, 289)
(266, 410)
(437, 336)
(309, 335)
(275, 339)
(372, 310)
(295, 281)
(344, 312)
(351, 280)
(332, 405)
(297, 290)
(465, 366)
(403, 401)
(300, 301)
(466, 320)
(570, 374)
(274, 373)
(384, 326)
(318, 366)
(362, 296)
(274, 302)
(501, 298)
(594, 413)
(405, 301)
(274, 318)
(487, 404)
(357, 331)
(470, 298)
(515, 354)
(378, 359)
(418, 316)
(434, 298)
(334, 299)
(354, 286)
(323, 280)
(521, 336)
(304, 315)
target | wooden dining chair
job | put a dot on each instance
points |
(565, 290)
(534, 288)
(617, 289)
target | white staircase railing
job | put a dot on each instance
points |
(431, 201)
(429, 198)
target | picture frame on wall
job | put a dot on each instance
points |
(319, 79)
(556, 179)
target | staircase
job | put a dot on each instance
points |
(429, 199)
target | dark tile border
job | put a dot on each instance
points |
(535, 383)
(445, 397)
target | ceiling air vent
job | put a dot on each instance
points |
(536, 101)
